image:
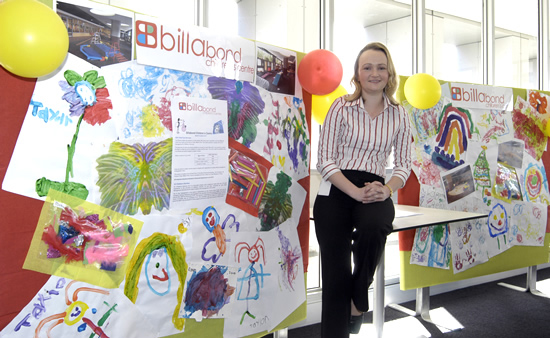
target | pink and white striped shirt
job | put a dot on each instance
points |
(351, 139)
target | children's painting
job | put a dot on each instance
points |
(68, 123)
(432, 247)
(255, 254)
(208, 292)
(69, 308)
(528, 224)
(156, 275)
(498, 225)
(468, 244)
(527, 129)
(135, 177)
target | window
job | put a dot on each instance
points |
(516, 44)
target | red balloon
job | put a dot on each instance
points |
(320, 72)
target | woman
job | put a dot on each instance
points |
(353, 211)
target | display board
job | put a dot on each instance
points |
(480, 149)
(187, 188)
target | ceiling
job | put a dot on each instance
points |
(465, 18)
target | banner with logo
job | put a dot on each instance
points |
(478, 96)
(193, 49)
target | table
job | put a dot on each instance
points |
(419, 217)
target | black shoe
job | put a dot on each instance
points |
(355, 323)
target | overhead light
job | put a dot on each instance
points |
(101, 12)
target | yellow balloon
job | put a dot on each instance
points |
(320, 104)
(33, 38)
(422, 91)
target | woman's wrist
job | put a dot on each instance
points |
(389, 188)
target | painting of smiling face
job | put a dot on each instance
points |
(157, 272)
(497, 221)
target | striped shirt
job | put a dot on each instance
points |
(351, 139)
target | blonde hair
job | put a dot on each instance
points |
(393, 79)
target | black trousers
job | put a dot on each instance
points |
(344, 226)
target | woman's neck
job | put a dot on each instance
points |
(373, 103)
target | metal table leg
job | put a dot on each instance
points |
(531, 283)
(282, 333)
(378, 310)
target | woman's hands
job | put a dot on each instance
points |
(371, 192)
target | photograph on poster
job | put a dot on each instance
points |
(458, 183)
(511, 153)
(101, 35)
(276, 69)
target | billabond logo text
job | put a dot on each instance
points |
(149, 35)
(196, 107)
(473, 95)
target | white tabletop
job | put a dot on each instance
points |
(415, 217)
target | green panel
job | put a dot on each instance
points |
(415, 276)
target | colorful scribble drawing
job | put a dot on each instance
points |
(89, 100)
(207, 291)
(296, 135)
(506, 187)
(251, 281)
(528, 129)
(75, 312)
(526, 227)
(428, 172)
(289, 263)
(273, 123)
(276, 204)
(432, 246)
(535, 183)
(497, 222)
(133, 177)
(495, 125)
(482, 175)
(247, 179)
(244, 105)
(211, 220)
(157, 251)
(153, 90)
(424, 121)
(455, 129)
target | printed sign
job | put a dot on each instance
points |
(194, 49)
(477, 96)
